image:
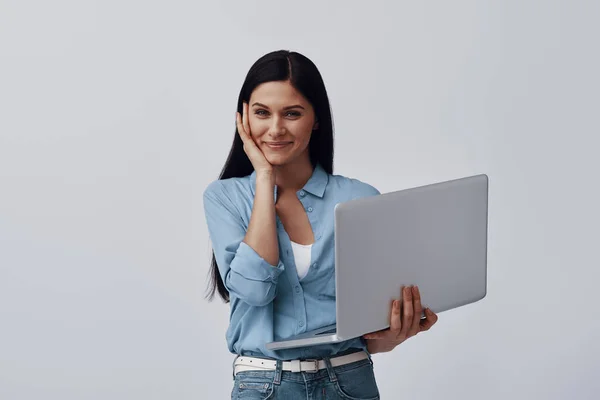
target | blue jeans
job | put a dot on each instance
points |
(351, 381)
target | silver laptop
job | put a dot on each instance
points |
(433, 236)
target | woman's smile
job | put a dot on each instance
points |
(277, 145)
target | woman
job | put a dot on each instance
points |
(270, 221)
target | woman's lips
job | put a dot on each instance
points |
(277, 146)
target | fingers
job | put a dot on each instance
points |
(407, 311)
(395, 319)
(395, 324)
(243, 125)
(240, 127)
(405, 318)
(430, 319)
(254, 153)
(245, 122)
(417, 311)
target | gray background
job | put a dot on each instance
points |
(115, 115)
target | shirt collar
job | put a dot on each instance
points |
(316, 183)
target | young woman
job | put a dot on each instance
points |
(270, 221)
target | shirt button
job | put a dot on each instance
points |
(309, 209)
(302, 193)
(314, 265)
(301, 323)
(297, 289)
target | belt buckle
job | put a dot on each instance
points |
(316, 366)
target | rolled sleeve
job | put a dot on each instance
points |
(245, 274)
(256, 268)
(253, 278)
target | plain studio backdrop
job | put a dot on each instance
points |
(114, 116)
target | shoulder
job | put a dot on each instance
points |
(230, 190)
(354, 188)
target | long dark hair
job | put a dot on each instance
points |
(303, 75)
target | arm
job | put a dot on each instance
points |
(262, 231)
(248, 260)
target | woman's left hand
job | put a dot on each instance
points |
(405, 322)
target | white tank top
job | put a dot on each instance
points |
(302, 253)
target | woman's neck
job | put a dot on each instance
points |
(293, 176)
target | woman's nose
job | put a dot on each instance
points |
(277, 127)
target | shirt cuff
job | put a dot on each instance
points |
(254, 267)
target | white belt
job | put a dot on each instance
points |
(243, 363)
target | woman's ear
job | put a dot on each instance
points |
(316, 126)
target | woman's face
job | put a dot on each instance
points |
(281, 121)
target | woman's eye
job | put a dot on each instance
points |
(264, 113)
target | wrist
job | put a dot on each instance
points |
(266, 176)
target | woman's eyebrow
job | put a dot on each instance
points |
(285, 108)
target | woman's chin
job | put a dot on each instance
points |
(277, 160)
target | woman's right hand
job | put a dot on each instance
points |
(256, 156)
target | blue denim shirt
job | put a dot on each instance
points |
(269, 302)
